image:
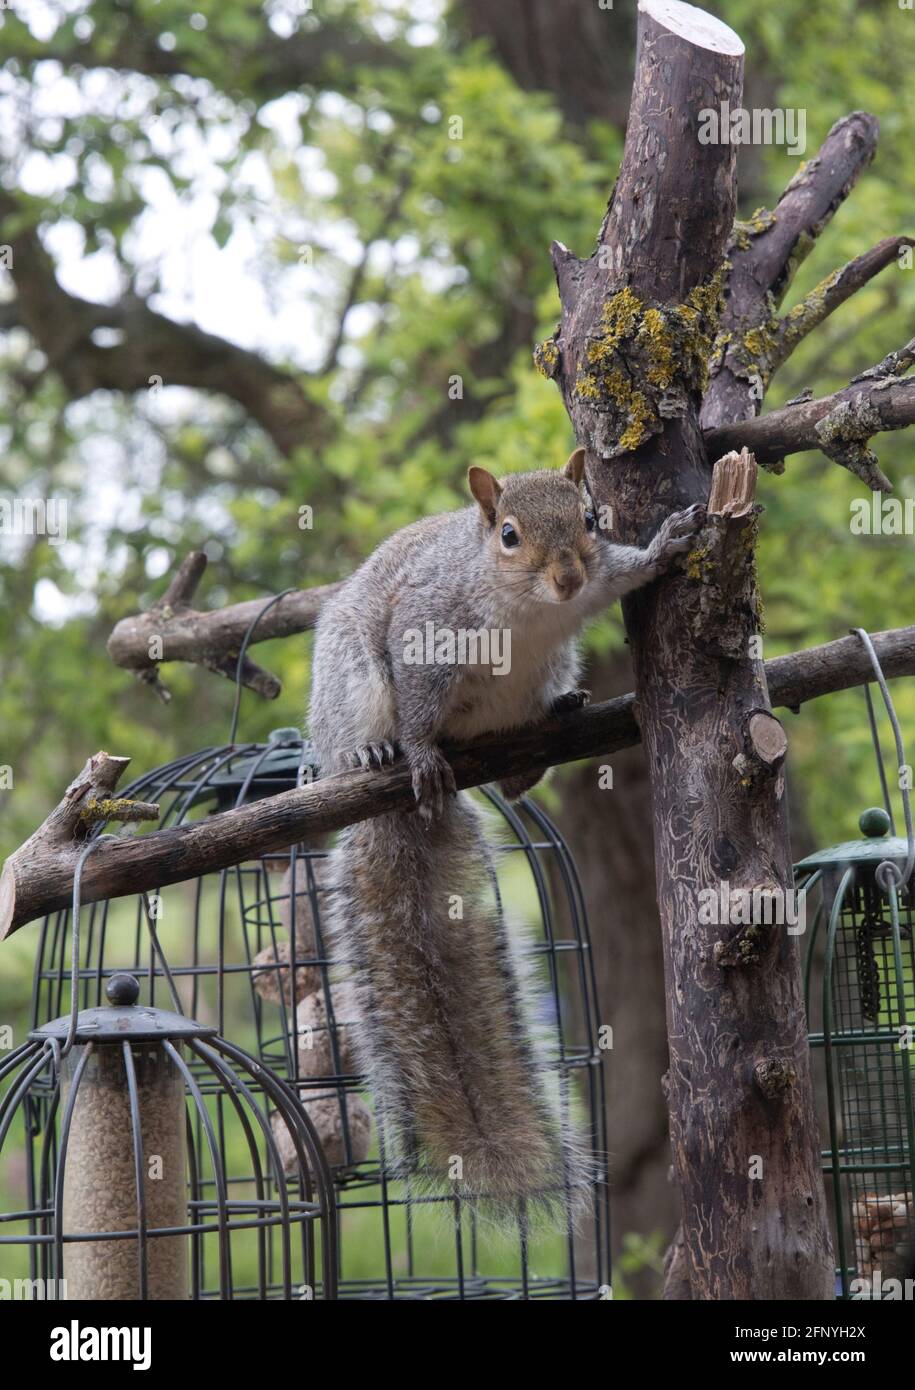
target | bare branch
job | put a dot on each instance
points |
(766, 251)
(757, 355)
(829, 294)
(173, 631)
(326, 57)
(152, 347)
(386, 221)
(839, 425)
(38, 878)
(62, 835)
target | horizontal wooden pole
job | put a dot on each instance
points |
(38, 878)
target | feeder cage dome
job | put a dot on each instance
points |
(138, 1111)
(248, 953)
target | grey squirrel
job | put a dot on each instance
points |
(446, 1039)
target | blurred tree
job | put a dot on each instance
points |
(266, 256)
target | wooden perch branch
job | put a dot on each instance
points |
(840, 425)
(173, 631)
(88, 800)
(38, 877)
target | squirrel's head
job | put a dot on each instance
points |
(539, 531)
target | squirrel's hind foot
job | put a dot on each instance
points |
(571, 700)
(433, 779)
(516, 785)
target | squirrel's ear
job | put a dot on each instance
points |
(486, 490)
(575, 467)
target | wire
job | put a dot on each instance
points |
(241, 657)
(158, 951)
(888, 874)
(74, 948)
(878, 750)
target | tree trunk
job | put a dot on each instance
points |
(608, 830)
(629, 356)
(582, 54)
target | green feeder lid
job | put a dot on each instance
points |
(878, 845)
(275, 764)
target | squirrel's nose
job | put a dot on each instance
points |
(567, 582)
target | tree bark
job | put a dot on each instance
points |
(582, 54)
(766, 252)
(608, 830)
(748, 1169)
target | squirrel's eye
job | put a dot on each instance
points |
(510, 537)
(590, 520)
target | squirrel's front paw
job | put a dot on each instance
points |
(678, 532)
(432, 779)
(373, 755)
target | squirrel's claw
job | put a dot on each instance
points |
(678, 532)
(432, 778)
(371, 755)
(694, 516)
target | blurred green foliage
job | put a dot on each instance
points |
(353, 168)
(326, 175)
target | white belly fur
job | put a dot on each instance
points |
(484, 701)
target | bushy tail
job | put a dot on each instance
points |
(446, 1037)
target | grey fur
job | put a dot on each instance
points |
(446, 1039)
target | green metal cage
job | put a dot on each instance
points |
(860, 991)
(860, 997)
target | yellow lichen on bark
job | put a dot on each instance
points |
(644, 360)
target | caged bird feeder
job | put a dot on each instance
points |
(130, 1112)
(859, 983)
(247, 953)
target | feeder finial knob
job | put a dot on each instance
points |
(123, 988)
(874, 822)
(285, 736)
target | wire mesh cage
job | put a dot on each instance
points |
(864, 1009)
(132, 1114)
(247, 952)
(860, 993)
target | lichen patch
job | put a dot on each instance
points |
(644, 362)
